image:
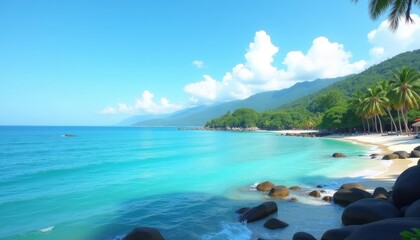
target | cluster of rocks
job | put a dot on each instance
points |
(403, 154)
(379, 215)
(308, 134)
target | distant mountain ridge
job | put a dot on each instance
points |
(198, 116)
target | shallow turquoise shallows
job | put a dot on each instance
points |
(104, 181)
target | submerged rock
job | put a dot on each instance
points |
(295, 188)
(265, 186)
(144, 233)
(303, 236)
(242, 210)
(315, 194)
(390, 156)
(338, 155)
(327, 198)
(279, 192)
(339, 233)
(259, 212)
(274, 223)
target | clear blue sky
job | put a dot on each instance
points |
(73, 62)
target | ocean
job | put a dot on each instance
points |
(101, 182)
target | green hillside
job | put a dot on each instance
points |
(365, 79)
(198, 116)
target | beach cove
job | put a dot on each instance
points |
(100, 182)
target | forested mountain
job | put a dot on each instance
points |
(365, 79)
(360, 100)
(198, 116)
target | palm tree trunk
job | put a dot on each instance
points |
(392, 120)
(376, 124)
(363, 123)
(368, 127)
(406, 123)
(380, 125)
(399, 120)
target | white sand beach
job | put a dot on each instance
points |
(386, 145)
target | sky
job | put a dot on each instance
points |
(98, 62)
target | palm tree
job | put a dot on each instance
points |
(405, 83)
(375, 103)
(357, 103)
(399, 8)
(385, 86)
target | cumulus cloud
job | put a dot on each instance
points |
(198, 63)
(324, 59)
(387, 44)
(144, 104)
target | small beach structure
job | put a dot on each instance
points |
(416, 125)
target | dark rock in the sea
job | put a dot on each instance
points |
(295, 188)
(415, 154)
(388, 229)
(242, 210)
(259, 212)
(413, 210)
(323, 191)
(417, 148)
(319, 186)
(373, 155)
(265, 186)
(418, 162)
(68, 135)
(339, 233)
(381, 193)
(338, 155)
(402, 154)
(144, 233)
(346, 196)
(274, 223)
(293, 199)
(367, 211)
(315, 194)
(407, 187)
(327, 198)
(352, 185)
(279, 192)
(303, 236)
(390, 156)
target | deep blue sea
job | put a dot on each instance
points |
(104, 181)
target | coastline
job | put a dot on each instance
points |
(385, 145)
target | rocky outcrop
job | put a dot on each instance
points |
(327, 198)
(303, 236)
(367, 211)
(388, 229)
(265, 186)
(144, 233)
(279, 192)
(259, 212)
(315, 194)
(339, 233)
(338, 155)
(352, 185)
(274, 223)
(402, 154)
(390, 156)
(347, 196)
(413, 210)
(380, 193)
(406, 188)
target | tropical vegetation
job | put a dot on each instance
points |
(376, 109)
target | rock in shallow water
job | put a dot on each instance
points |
(346, 196)
(380, 193)
(339, 233)
(303, 236)
(274, 223)
(265, 186)
(352, 185)
(338, 155)
(144, 233)
(315, 194)
(279, 192)
(259, 212)
(413, 210)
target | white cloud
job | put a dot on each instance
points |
(144, 104)
(323, 60)
(198, 63)
(387, 44)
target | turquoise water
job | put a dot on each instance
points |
(105, 181)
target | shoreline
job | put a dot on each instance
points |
(385, 145)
